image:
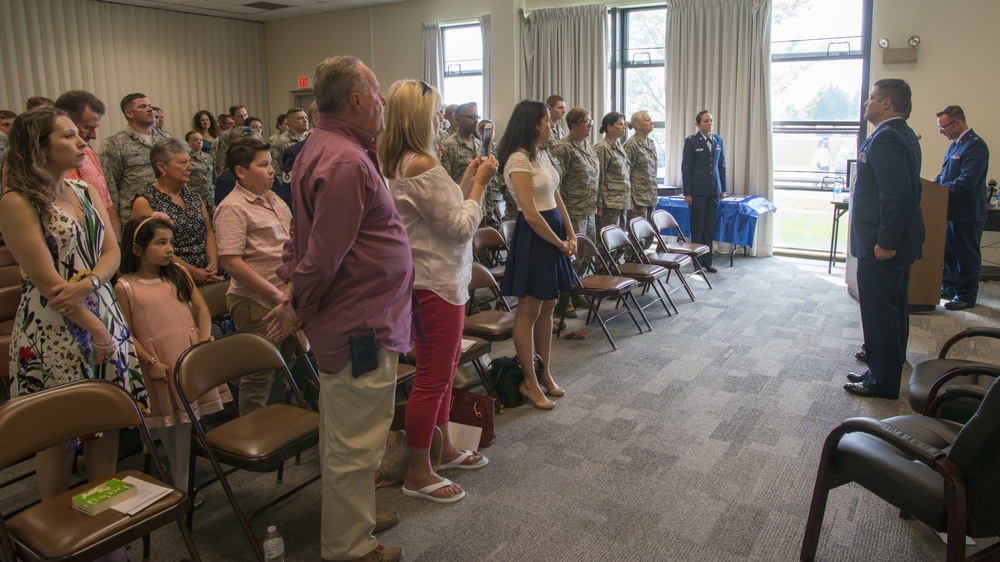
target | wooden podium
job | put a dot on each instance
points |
(925, 274)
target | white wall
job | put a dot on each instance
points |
(183, 62)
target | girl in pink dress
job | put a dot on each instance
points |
(167, 315)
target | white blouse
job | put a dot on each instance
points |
(440, 224)
(544, 177)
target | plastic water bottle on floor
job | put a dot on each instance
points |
(838, 190)
(274, 545)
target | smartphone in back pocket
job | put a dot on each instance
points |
(364, 352)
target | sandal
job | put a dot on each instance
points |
(458, 462)
(425, 492)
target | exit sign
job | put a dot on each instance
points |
(305, 82)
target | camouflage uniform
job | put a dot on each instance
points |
(457, 154)
(614, 189)
(555, 136)
(278, 147)
(642, 162)
(219, 148)
(4, 141)
(578, 187)
(203, 179)
(125, 162)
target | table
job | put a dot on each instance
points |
(737, 219)
(839, 208)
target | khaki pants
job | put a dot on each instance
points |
(257, 390)
(355, 415)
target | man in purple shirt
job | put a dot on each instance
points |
(350, 275)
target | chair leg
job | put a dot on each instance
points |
(639, 310)
(188, 541)
(666, 294)
(817, 508)
(594, 310)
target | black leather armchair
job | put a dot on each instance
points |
(929, 377)
(944, 474)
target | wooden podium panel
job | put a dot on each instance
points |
(925, 274)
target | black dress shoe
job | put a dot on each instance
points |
(958, 305)
(859, 389)
(861, 356)
(857, 377)
(709, 269)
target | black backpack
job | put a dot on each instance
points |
(506, 376)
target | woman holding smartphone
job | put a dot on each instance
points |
(440, 218)
(538, 264)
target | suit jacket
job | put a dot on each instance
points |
(703, 172)
(964, 174)
(885, 208)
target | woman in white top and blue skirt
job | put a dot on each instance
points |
(440, 218)
(538, 264)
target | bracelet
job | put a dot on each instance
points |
(151, 361)
(95, 280)
(109, 345)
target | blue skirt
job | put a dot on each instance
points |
(536, 268)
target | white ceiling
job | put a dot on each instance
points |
(242, 10)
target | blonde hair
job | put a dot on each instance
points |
(638, 116)
(409, 123)
(576, 115)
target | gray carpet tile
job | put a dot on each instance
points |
(696, 441)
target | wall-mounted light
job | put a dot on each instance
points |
(899, 56)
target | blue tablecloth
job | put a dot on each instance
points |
(737, 217)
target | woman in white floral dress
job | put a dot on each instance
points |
(68, 325)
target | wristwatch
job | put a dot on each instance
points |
(95, 280)
(151, 361)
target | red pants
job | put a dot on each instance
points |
(429, 403)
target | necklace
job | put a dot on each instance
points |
(78, 204)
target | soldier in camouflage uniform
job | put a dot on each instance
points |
(557, 108)
(202, 179)
(239, 115)
(298, 126)
(580, 169)
(461, 148)
(494, 191)
(125, 155)
(641, 152)
(614, 188)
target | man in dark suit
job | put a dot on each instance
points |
(964, 174)
(703, 169)
(887, 234)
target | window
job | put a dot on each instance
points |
(637, 74)
(817, 75)
(462, 46)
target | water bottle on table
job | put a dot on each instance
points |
(274, 545)
(838, 190)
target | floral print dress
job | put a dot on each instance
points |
(48, 349)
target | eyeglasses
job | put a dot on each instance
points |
(426, 87)
(473, 117)
(587, 122)
(946, 125)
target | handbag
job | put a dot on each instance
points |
(506, 377)
(476, 410)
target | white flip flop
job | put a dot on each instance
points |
(425, 492)
(457, 462)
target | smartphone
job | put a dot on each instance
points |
(487, 140)
(364, 352)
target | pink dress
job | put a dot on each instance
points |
(165, 327)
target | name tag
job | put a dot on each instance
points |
(956, 157)
(863, 156)
(699, 150)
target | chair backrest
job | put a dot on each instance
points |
(507, 231)
(10, 299)
(976, 451)
(487, 238)
(10, 276)
(4, 367)
(483, 279)
(62, 413)
(588, 257)
(664, 220)
(209, 364)
(215, 297)
(642, 231)
(6, 257)
(616, 244)
(499, 210)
